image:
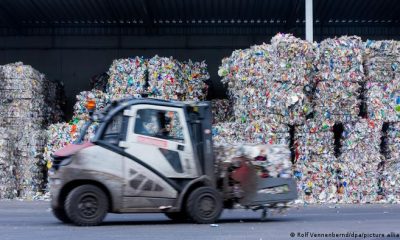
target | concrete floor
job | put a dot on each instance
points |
(34, 220)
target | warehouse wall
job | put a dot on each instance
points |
(74, 59)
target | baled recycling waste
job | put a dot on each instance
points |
(361, 155)
(340, 77)
(289, 93)
(29, 103)
(333, 87)
(382, 65)
(314, 161)
(271, 79)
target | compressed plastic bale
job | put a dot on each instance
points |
(383, 100)
(271, 80)
(229, 132)
(165, 78)
(313, 138)
(294, 59)
(361, 185)
(337, 101)
(26, 93)
(381, 60)
(361, 153)
(29, 103)
(19, 71)
(57, 135)
(196, 75)
(127, 77)
(389, 182)
(246, 74)
(267, 131)
(317, 179)
(261, 131)
(289, 101)
(268, 160)
(31, 164)
(341, 75)
(362, 136)
(8, 182)
(173, 80)
(246, 65)
(341, 59)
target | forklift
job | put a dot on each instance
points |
(152, 156)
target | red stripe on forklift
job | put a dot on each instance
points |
(152, 141)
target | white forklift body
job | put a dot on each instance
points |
(147, 156)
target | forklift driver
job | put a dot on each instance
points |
(151, 123)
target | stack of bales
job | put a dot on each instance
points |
(29, 104)
(341, 73)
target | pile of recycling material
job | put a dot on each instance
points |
(8, 183)
(271, 80)
(361, 156)
(315, 161)
(382, 88)
(221, 110)
(28, 105)
(340, 78)
(170, 79)
(335, 88)
(268, 160)
(157, 77)
(240, 166)
(60, 134)
(389, 171)
(128, 77)
(268, 86)
(261, 131)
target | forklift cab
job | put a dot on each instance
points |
(147, 156)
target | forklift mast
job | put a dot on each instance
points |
(200, 120)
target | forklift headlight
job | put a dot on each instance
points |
(59, 162)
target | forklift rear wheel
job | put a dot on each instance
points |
(177, 216)
(204, 205)
(61, 215)
(86, 205)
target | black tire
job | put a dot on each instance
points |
(204, 205)
(86, 205)
(61, 215)
(177, 216)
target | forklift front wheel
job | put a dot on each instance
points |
(204, 205)
(86, 205)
